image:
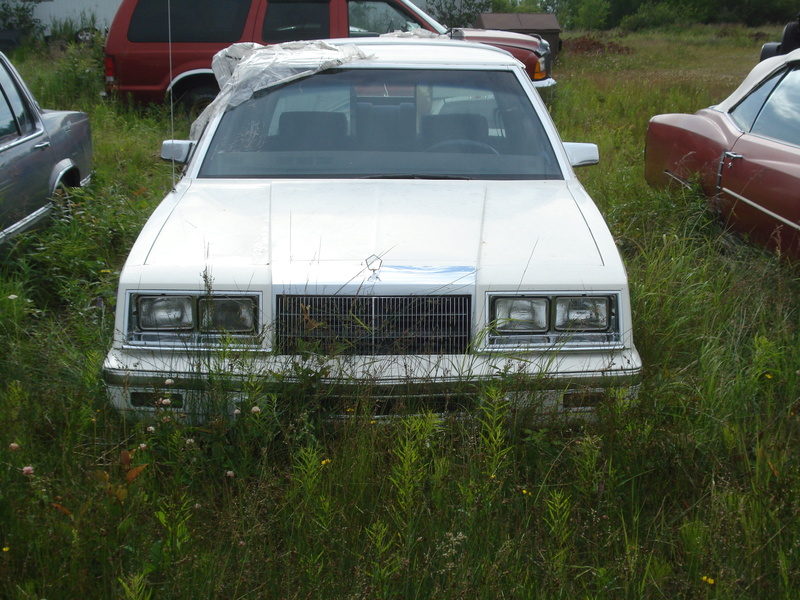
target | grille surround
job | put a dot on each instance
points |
(373, 325)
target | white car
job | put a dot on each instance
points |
(398, 214)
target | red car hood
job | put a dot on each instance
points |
(496, 37)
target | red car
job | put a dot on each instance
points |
(150, 52)
(744, 153)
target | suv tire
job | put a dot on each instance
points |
(195, 99)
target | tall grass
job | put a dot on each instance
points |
(690, 491)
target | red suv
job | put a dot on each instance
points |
(150, 52)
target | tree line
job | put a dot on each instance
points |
(631, 15)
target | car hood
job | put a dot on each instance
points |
(503, 38)
(332, 231)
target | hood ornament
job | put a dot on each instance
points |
(374, 263)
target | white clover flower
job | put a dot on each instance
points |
(255, 410)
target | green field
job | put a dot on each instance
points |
(690, 491)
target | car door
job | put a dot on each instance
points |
(26, 157)
(759, 176)
(159, 41)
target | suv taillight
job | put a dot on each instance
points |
(110, 69)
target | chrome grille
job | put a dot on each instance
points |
(372, 325)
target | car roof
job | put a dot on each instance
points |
(428, 51)
(759, 73)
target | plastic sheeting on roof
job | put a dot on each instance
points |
(415, 33)
(243, 69)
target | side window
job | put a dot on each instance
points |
(747, 110)
(15, 117)
(288, 20)
(780, 117)
(372, 18)
(8, 126)
(198, 21)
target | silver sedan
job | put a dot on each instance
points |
(41, 152)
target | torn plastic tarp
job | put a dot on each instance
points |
(415, 33)
(243, 69)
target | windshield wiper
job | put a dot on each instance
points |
(417, 176)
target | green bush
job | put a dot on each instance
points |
(659, 15)
(18, 14)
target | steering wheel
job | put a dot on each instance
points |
(468, 146)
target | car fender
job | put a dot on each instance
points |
(682, 147)
(65, 171)
(186, 76)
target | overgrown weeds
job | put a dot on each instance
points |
(690, 491)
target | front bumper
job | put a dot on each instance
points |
(196, 384)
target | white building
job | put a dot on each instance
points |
(81, 12)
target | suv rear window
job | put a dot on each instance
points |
(198, 21)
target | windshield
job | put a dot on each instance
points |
(351, 123)
(430, 20)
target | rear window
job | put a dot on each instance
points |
(197, 21)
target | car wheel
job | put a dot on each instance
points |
(87, 35)
(62, 202)
(195, 100)
(790, 40)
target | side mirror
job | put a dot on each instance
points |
(581, 154)
(178, 151)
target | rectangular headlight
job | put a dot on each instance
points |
(230, 314)
(165, 312)
(582, 313)
(520, 314)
